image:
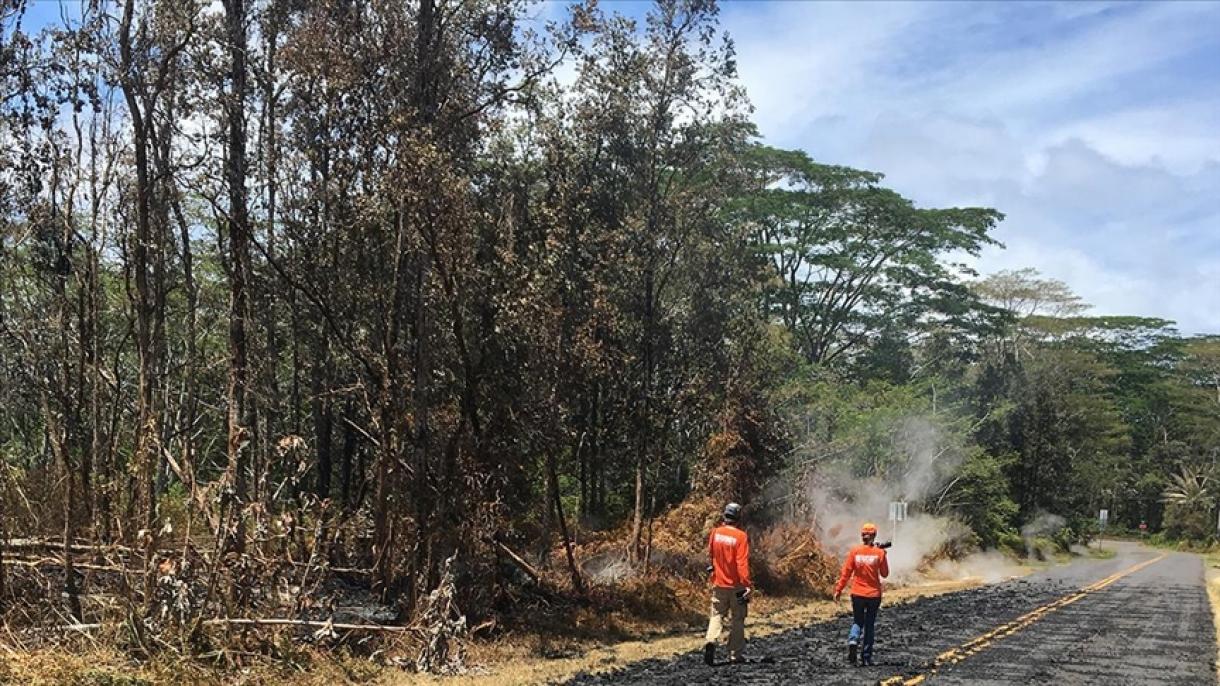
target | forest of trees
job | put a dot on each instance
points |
(378, 285)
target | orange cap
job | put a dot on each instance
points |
(868, 528)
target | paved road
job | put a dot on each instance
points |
(1142, 617)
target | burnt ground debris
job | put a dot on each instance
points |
(1154, 626)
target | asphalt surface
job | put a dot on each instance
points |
(1141, 617)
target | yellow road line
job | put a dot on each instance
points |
(955, 655)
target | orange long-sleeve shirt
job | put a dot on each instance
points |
(865, 565)
(730, 551)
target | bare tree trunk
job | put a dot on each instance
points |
(652, 508)
(595, 454)
(239, 256)
(101, 473)
(645, 448)
(323, 417)
(557, 502)
(274, 407)
(160, 203)
(424, 99)
(190, 383)
(345, 460)
(57, 433)
(144, 462)
(84, 362)
(583, 464)
(99, 482)
(391, 407)
(383, 532)
(3, 545)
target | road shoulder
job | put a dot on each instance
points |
(775, 616)
(1211, 565)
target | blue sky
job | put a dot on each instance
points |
(1095, 127)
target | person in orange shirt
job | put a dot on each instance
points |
(866, 566)
(729, 547)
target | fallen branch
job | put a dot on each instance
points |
(83, 628)
(252, 621)
(309, 623)
(32, 545)
(794, 553)
(56, 562)
(518, 561)
(355, 571)
(49, 544)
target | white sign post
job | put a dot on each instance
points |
(898, 513)
(1103, 519)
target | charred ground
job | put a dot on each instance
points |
(1153, 626)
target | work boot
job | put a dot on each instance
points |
(866, 661)
(709, 654)
(851, 652)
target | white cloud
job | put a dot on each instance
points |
(1095, 128)
(798, 63)
(1037, 76)
(1183, 135)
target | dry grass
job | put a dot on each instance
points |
(626, 619)
(105, 667)
(515, 659)
(1211, 563)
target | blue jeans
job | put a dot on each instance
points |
(864, 618)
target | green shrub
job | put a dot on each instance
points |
(172, 506)
(1186, 523)
(1010, 541)
(1064, 539)
(1042, 547)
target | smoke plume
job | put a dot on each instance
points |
(921, 465)
(1043, 524)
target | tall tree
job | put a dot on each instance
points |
(853, 259)
(237, 416)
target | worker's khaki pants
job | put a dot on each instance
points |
(726, 603)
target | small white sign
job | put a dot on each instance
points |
(898, 511)
(1104, 516)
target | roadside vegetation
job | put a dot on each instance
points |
(349, 339)
(1212, 574)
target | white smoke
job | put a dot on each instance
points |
(922, 465)
(1043, 524)
(987, 566)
